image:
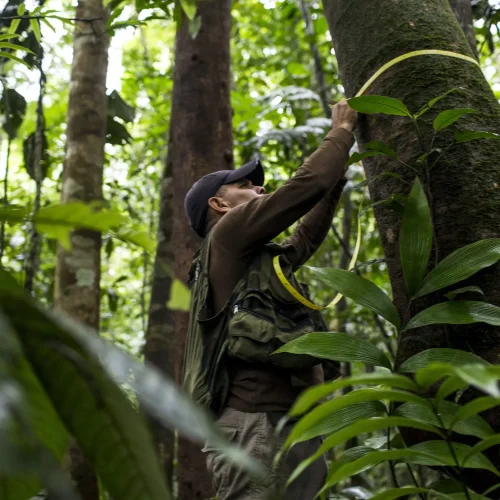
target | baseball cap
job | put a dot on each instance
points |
(196, 200)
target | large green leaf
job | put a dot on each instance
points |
(431, 103)
(483, 445)
(374, 104)
(358, 157)
(449, 117)
(359, 396)
(471, 409)
(30, 430)
(314, 394)
(353, 430)
(472, 135)
(362, 291)
(70, 361)
(338, 347)
(344, 417)
(471, 425)
(482, 377)
(393, 493)
(453, 357)
(461, 264)
(456, 313)
(438, 453)
(415, 240)
(58, 221)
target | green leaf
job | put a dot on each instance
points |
(13, 106)
(450, 386)
(393, 493)
(471, 425)
(35, 26)
(110, 432)
(13, 26)
(337, 347)
(396, 202)
(431, 103)
(358, 157)
(483, 445)
(472, 408)
(438, 453)
(189, 8)
(373, 104)
(21, 9)
(14, 58)
(449, 117)
(373, 458)
(116, 133)
(353, 430)
(456, 313)
(461, 264)
(482, 377)
(415, 240)
(471, 135)
(354, 397)
(466, 289)
(138, 238)
(13, 46)
(57, 221)
(194, 27)
(314, 394)
(65, 354)
(362, 291)
(180, 297)
(342, 418)
(381, 147)
(45, 21)
(8, 36)
(454, 357)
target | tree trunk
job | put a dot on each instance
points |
(78, 271)
(463, 12)
(464, 185)
(200, 142)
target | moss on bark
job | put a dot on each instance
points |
(465, 184)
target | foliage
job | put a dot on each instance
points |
(424, 407)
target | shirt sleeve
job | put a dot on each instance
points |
(250, 225)
(314, 227)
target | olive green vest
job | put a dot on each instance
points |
(259, 318)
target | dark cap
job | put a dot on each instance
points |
(196, 201)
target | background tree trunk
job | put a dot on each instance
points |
(78, 271)
(201, 142)
(464, 185)
(463, 12)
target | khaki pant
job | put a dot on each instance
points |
(254, 432)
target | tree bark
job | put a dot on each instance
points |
(463, 12)
(464, 185)
(201, 142)
(78, 271)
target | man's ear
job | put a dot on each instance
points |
(218, 205)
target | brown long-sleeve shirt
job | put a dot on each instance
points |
(312, 193)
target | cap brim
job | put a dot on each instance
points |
(253, 171)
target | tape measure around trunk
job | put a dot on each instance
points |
(352, 264)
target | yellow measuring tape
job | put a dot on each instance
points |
(383, 69)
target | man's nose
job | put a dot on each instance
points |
(259, 189)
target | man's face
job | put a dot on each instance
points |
(241, 192)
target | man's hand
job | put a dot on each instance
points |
(343, 116)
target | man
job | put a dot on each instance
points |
(241, 313)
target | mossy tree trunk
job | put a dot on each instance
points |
(464, 185)
(201, 142)
(78, 273)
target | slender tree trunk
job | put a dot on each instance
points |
(464, 185)
(463, 12)
(78, 271)
(200, 142)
